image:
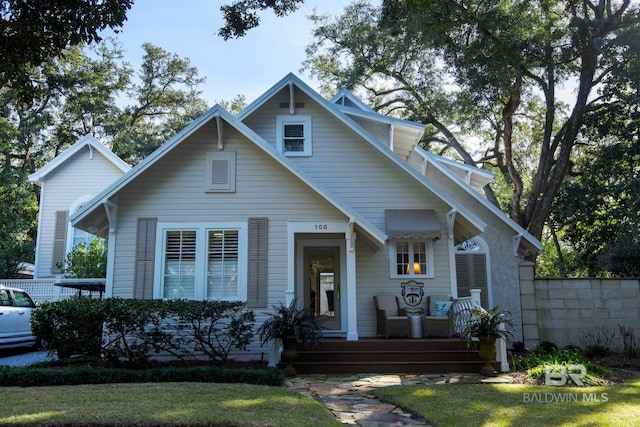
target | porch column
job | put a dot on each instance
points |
(352, 307)
(475, 297)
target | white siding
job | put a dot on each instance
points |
(369, 183)
(78, 177)
(172, 192)
(505, 280)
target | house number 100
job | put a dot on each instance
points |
(321, 226)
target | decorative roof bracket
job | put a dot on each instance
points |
(292, 105)
(110, 209)
(516, 243)
(451, 220)
(219, 126)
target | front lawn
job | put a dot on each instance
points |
(160, 404)
(520, 404)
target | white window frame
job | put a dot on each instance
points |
(281, 122)
(393, 268)
(201, 230)
(230, 185)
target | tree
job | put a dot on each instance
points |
(503, 58)
(79, 94)
(597, 208)
(33, 31)
(241, 16)
(86, 261)
(165, 101)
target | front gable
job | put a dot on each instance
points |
(68, 182)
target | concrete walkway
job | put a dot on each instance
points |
(350, 397)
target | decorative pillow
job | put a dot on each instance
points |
(441, 308)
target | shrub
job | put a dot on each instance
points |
(537, 363)
(135, 330)
(598, 335)
(69, 327)
(596, 350)
(86, 261)
(630, 347)
(37, 377)
(217, 327)
(546, 347)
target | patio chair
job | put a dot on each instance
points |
(438, 321)
(392, 320)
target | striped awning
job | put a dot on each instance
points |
(412, 224)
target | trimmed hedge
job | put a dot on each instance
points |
(38, 377)
(129, 331)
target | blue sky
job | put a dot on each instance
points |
(247, 66)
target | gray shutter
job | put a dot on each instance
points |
(145, 258)
(257, 274)
(59, 240)
(471, 273)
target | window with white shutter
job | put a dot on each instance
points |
(202, 261)
(471, 270)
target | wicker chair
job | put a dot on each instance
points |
(438, 326)
(392, 320)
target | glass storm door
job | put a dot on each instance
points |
(322, 283)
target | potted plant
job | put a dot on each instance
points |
(290, 324)
(486, 326)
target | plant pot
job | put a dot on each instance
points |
(289, 355)
(487, 353)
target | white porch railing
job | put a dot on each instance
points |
(462, 314)
(40, 290)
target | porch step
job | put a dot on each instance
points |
(388, 356)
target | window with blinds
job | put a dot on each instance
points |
(203, 261)
(293, 135)
(180, 264)
(222, 264)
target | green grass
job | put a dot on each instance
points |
(157, 404)
(520, 405)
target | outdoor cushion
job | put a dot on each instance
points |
(441, 308)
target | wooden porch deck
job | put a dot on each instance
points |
(378, 355)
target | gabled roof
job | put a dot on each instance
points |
(91, 209)
(473, 176)
(445, 168)
(86, 141)
(348, 99)
(470, 219)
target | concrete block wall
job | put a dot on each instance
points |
(577, 311)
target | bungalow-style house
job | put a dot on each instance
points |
(324, 201)
(67, 182)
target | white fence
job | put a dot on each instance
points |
(41, 290)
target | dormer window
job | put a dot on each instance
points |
(293, 135)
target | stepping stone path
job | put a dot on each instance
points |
(350, 397)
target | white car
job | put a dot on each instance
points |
(16, 307)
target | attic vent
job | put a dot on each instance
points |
(297, 105)
(220, 173)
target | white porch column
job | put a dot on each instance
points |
(475, 297)
(352, 307)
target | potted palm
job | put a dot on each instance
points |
(290, 324)
(486, 326)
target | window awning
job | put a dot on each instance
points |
(412, 224)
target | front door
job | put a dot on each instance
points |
(322, 283)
